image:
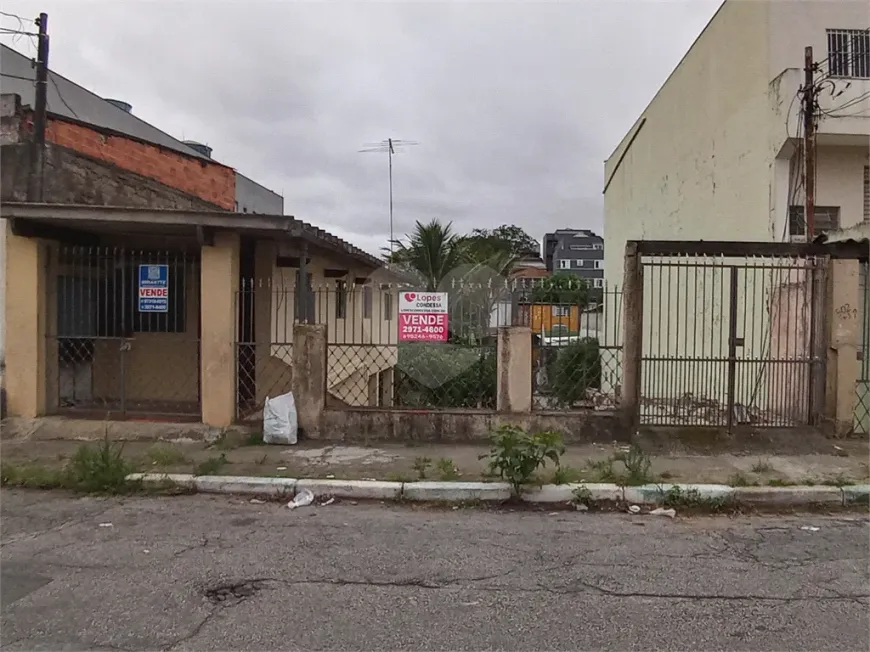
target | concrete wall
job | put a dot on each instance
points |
(251, 197)
(75, 178)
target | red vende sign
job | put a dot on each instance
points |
(423, 328)
(157, 293)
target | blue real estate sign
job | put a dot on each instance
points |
(153, 288)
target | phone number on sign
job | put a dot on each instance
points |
(423, 330)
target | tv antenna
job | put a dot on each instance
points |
(390, 145)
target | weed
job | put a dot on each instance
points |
(776, 482)
(447, 469)
(581, 496)
(565, 475)
(603, 469)
(515, 455)
(211, 466)
(421, 466)
(32, 477)
(839, 480)
(739, 479)
(164, 455)
(393, 476)
(254, 439)
(762, 466)
(102, 469)
(679, 498)
(637, 466)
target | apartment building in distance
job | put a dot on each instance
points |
(577, 251)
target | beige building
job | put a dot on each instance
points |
(714, 157)
(81, 337)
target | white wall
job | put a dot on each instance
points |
(2, 295)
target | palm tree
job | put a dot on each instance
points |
(433, 250)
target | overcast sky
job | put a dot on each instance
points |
(515, 105)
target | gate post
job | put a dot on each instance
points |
(514, 379)
(25, 308)
(632, 338)
(309, 377)
(844, 324)
(219, 285)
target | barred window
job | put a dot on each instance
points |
(827, 218)
(849, 53)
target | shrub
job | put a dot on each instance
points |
(99, 470)
(576, 368)
(515, 455)
(442, 375)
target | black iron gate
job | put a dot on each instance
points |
(123, 332)
(732, 341)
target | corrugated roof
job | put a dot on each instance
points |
(68, 99)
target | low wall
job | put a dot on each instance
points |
(467, 426)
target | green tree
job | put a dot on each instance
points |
(563, 288)
(433, 251)
(508, 239)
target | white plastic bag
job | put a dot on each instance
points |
(302, 499)
(279, 420)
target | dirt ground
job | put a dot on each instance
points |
(846, 462)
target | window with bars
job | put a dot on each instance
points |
(827, 218)
(849, 53)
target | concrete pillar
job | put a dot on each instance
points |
(309, 376)
(632, 337)
(844, 337)
(514, 384)
(219, 284)
(25, 317)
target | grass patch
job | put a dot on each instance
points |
(691, 499)
(421, 467)
(165, 455)
(212, 465)
(778, 482)
(394, 476)
(97, 468)
(447, 470)
(740, 479)
(839, 480)
(762, 466)
(254, 439)
(565, 475)
(602, 469)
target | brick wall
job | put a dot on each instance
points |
(74, 178)
(208, 180)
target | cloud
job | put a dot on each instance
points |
(515, 105)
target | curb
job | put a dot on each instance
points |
(652, 494)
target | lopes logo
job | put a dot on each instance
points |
(410, 296)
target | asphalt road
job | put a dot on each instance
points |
(217, 573)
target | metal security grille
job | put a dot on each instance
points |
(862, 399)
(849, 53)
(576, 344)
(730, 342)
(123, 332)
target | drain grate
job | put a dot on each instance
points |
(233, 592)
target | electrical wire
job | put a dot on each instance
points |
(6, 74)
(60, 95)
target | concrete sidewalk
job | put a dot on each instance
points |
(846, 462)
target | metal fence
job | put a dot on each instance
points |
(576, 346)
(123, 332)
(370, 364)
(862, 398)
(730, 341)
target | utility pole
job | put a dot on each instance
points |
(40, 110)
(389, 146)
(809, 97)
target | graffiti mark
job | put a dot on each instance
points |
(846, 311)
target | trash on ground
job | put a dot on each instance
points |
(634, 509)
(279, 420)
(280, 468)
(257, 501)
(810, 528)
(580, 507)
(106, 525)
(661, 511)
(330, 477)
(146, 551)
(353, 502)
(327, 502)
(302, 499)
